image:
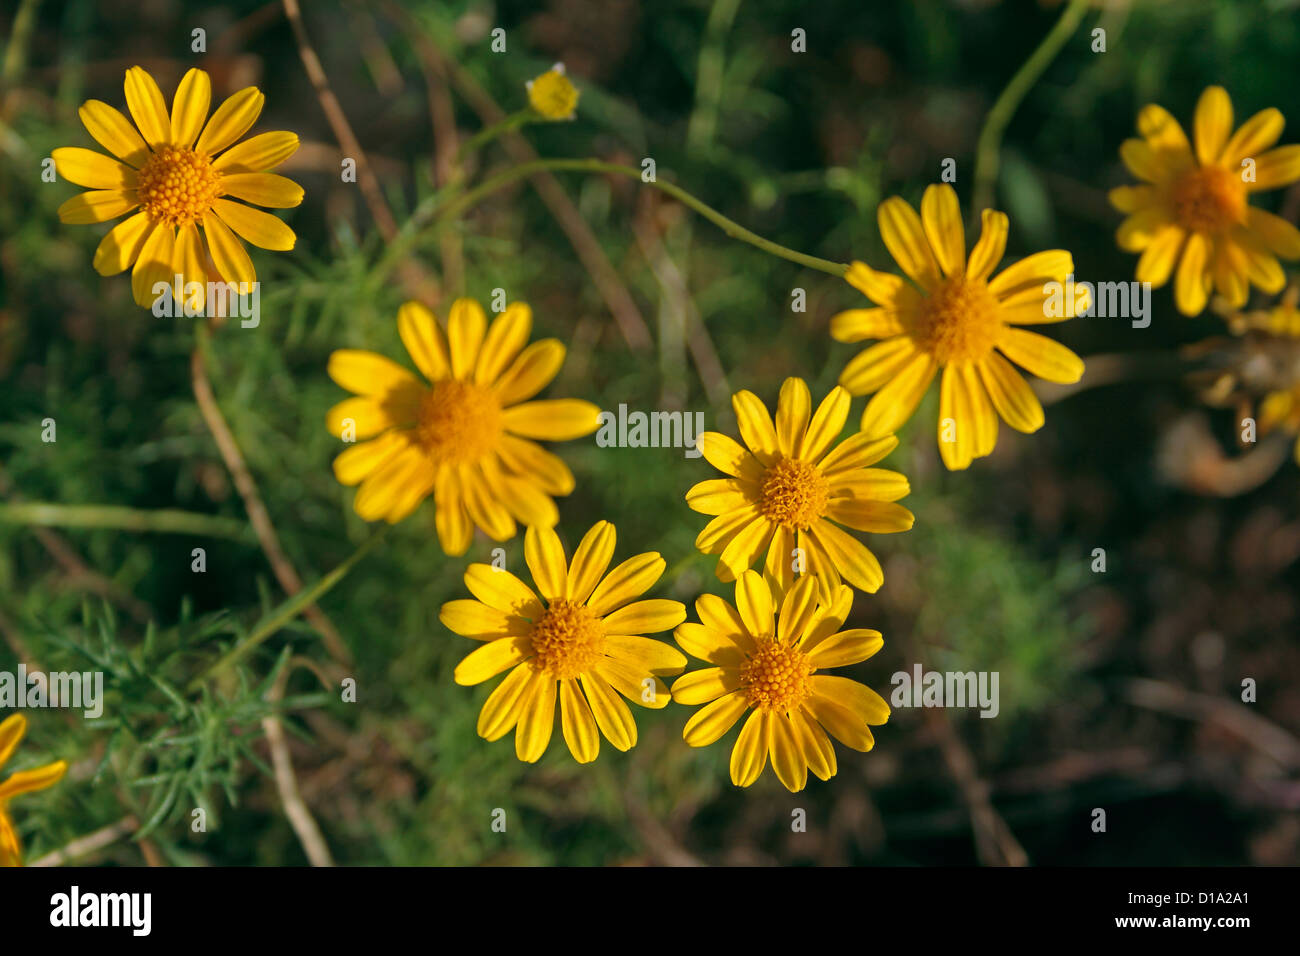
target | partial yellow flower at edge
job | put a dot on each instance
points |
(959, 320)
(553, 95)
(582, 640)
(181, 171)
(24, 781)
(789, 489)
(467, 434)
(1281, 409)
(1191, 217)
(771, 669)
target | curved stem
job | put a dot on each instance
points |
(287, 611)
(489, 133)
(989, 146)
(162, 520)
(468, 199)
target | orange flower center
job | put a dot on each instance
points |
(177, 186)
(776, 677)
(794, 493)
(458, 422)
(568, 640)
(1208, 199)
(958, 322)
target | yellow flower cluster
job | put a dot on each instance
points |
(464, 428)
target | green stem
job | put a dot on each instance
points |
(287, 611)
(162, 521)
(489, 133)
(459, 205)
(995, 124)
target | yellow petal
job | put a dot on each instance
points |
(1040, 355)
(368, 373)
(992, 245)
(233, 119)
(114, 132)
(531, 372)
(1011, 395)
(793, 408)
(612, 715)
(708, 645)
(536, 719)
(645, 617)
(787, 757)
(99, 205)
(702, 686)
(1190, 287)
(544, 556)
(1129, 199)
(1163, 133)
(28, 781)
(121, 247)
(1212, 124)
(894, 404)
(713, 720)
(744, 549)
(419, 331)
(842, 723)
(941, 218)
(148, 109)
(854, 325)
(857, 698)
(646, 654)
(904, 236)
(876, 517)
(499, 589)
(506, 337)
(578, 723)
(262, 189)
(873, 367)
(1141, 160)
(881, 288)
(851, 557)
(626, 582)
(1278, 234)
(749, 756)
(228, 254)
(153, 265)
(355, 464)
(1161, 255)
(1053, 264)
(190, 107)
(558, 419)
(466, 325)
(191, 265)
(846, 648)
(260, 228)
(756, 428)
(590, 561)
(1253, 137)
(1277, 167)
(754, 602)
(258, 154)
(501, 710)
(85, 167)
(728, 456)
(856, 451)
(826, 425)
(491, 659)
(12, 729)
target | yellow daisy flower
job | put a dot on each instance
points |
(789, 492)
(25, 781)
(466, 436)
(171, 172)
(772, 669)
(581, 636)
(1192, 210)
(960, 320)
(553, 95)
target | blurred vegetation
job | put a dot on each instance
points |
(798, 147)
